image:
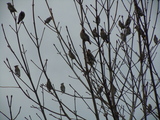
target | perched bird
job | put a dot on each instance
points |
(49, 85)
(123, 37)
(142, 56)
(21, 16)
(62, 88)
(149, 108)
(138, 10)
(105, 114)
(17, 71)
(48, 20)
(98, 19)
(104, 36)
(84, 36)
(113, 90)
(100, 89)
(95, 33)
(127, 31)
(71, 55)
(128, 21)
(90, 58)
(140, 31)
(121, 25)
(11, 8)
(155, 39)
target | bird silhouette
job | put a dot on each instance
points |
(48, 20)
(95, 33)
(155, 39)
(149, 108)
(123, 37)
(21, 16)
(17, 71)
(84, 36)
(90, 58)
(128, 21)
(62, 87)
(138, 10)
(113, 90)
(121, 25)
(98, 19)
(11, 8)
(71, 55)
(127, 31)
(100, 89)
(104, 36)
(140, 31)
(49, 85)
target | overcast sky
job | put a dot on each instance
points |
(64, 12)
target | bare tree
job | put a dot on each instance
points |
(115, 63)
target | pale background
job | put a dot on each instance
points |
(65, 13)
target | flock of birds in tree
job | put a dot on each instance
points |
(85, 37)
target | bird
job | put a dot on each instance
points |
(113, 90)
(149, 108)
(11, 8)
(21, 16)
(90, 58)
(128, 21)
(48, 20)
(49, 85)
(98, 19)
(155, 39)
(142, 57)
(123, 37)
(95, 33)
(127, 31)
(104, 36)
(140, 31)
(138, 10)
(71, 55)
(17, 71)
(121, 25)
(84, 36)
(100, 89)
(62, 88)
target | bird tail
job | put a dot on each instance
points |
(18, 21)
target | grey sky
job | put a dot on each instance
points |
(65, 13)
(58, 69)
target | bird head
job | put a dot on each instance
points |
(102, 29)
(83, 30)
(16, 66)
(89, 51)
(9, 4)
